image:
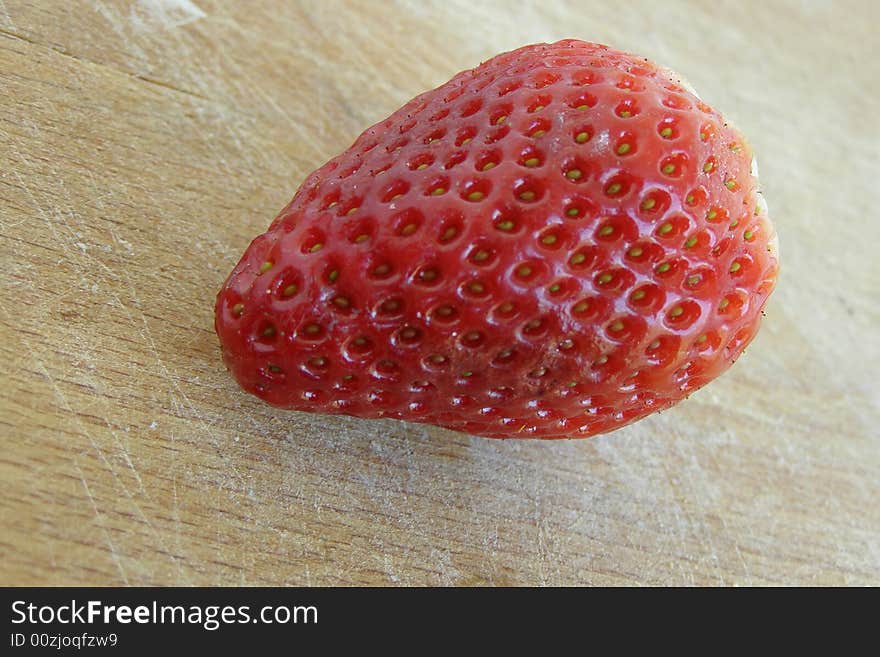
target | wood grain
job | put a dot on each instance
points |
(142, 145)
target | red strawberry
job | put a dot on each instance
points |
(554, 244)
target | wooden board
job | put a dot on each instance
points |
(143, 144)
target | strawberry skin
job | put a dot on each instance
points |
(554, 244)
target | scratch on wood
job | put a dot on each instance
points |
(62, 398)
(101, 524)
(93, 266)
(164, 14)
(6, 16)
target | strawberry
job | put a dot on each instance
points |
(553, 244)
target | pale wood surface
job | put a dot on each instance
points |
(143, 144)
